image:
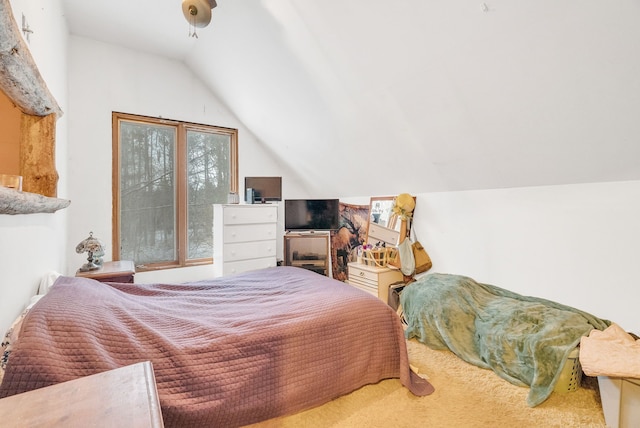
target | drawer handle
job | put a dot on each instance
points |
(361, 273)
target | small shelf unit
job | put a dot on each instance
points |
(308, 250)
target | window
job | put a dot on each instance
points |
(167, 175)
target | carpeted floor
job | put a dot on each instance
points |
(465, 396)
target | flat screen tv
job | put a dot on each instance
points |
(311, 214)
(263, 189)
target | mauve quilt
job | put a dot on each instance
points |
(226, 352)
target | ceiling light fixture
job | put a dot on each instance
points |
(197, 13)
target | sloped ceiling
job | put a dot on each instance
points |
(411, 95)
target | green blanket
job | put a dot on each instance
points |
(525, 340)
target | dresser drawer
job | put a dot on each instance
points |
(249, 232)
(248, 250)
(379, 233)
(370, 290)
(364, 283)
(250, 214)
(361, 274)
(361, 280)
(230, 268)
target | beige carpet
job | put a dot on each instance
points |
(465, 396)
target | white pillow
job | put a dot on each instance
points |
(47, 281)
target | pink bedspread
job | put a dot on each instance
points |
(226, 352)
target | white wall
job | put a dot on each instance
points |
(575, 244)
(33, 244)
(106, 78)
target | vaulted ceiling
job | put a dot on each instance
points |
(411, 95)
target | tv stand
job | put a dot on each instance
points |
(308, 251)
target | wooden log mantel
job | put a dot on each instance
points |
(19, 75)
(15, 202)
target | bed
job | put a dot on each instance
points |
(226, 352)
(525, 340)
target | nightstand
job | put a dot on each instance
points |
(372, 279)
(119, 271)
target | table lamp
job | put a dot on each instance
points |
(95, 249)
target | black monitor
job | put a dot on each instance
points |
(262, 189)
(311, 214)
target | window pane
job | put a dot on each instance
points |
(208, 183)
(147, 193)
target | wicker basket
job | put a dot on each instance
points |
(379, 257)
(571, 374)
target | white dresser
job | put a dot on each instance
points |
(372, 279)
(244, 237)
